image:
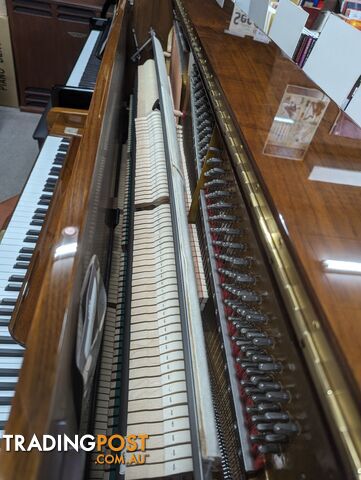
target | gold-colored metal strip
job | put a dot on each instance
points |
(340, 407)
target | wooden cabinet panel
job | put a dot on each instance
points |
(47, 39)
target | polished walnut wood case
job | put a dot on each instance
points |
(47, 39)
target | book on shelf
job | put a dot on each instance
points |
(304, 47)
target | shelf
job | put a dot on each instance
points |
(331, 57)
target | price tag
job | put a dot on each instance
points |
(240, 24)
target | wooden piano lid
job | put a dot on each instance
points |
(319, 220)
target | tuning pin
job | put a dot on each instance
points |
(256, 438)
(202, 108)
(255, 379)
(231, 245)
(255, 334)
(222, 218)
(264, 427)
(230, 231)
(252, 353)
(199, 94)
(289, 428)
(261, 357)
(277, 417)
(270, 367)
(261, 398)
(251, 410)
(272, 448)
(231, 303)
(256, 317)
(279, 397)
(272, 417)
(263, 342)
(269, 386)
(214, 171)
(251, 390)
(248, 347)
(242, 262)
(214, 161)
(243, 343)
(217, 193)
(264, 407)
(276, 438)
(215, 183)
(221, 206)
(203, 116)
(246, 383)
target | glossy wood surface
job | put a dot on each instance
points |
(319, 220)
(49, 308)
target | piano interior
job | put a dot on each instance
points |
(147, 287)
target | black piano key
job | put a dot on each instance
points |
(13, 287)
(43, 202)
(31, 239)
(13, 351)
(8, 301)
(41, 210)
(6, 311)
(24, 257)
(21, 265)
(35, 233)
(17, 278)
(51, 181)
(48, 189)
(39, 216)
(27, 250)
(37, 223)
(63, 147)
(58, 162)
(45, 196)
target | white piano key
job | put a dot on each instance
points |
(13, 241)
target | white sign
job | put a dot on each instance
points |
(220, 3)
(240, 24)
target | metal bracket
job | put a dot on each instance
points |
(136, 54)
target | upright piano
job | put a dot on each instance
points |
(171, 270)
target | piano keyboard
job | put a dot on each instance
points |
(85, 71)
(16, 249)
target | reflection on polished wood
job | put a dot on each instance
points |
(319, 220)
(37, 274)
(66, 121)
(53, 303)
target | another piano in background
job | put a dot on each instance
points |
(47, 38)
(78, 90)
